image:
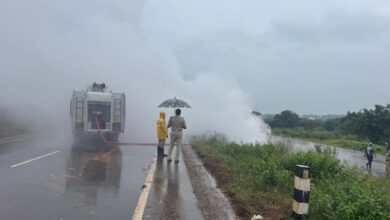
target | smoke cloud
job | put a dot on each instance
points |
(49, 48)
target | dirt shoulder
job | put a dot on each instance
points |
(244, 202)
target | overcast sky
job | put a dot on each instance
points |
(307, 56)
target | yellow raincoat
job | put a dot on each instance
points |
(162, 130)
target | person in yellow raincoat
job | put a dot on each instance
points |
(162, 134)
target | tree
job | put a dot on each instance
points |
(373, 124)
(331, 124)
(286, 119)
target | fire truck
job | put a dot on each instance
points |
(96, 111)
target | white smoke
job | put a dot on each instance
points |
(50, 49)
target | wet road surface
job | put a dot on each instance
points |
(351, 157)
(72, 182)
(171, 196)
(50, 178)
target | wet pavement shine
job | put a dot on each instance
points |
(171, 195)
(88, 182)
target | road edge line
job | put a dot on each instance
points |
(140, 208)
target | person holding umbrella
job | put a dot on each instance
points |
(162, 134)
(177, 124)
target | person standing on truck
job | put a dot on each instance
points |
(177, 124)
(369, 153)
(162, 134)
(101, 121)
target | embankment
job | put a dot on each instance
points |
(258, 179)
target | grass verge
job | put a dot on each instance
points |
(259, 179)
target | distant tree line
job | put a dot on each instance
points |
(373, 124)
(10, 125)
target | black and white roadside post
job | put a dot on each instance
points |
(301, 192)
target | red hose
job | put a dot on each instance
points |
(122, 143)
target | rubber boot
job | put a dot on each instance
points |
(158, 151)
(163, 153)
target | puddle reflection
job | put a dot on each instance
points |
(166, 187)
(92, 170)
(171, 198)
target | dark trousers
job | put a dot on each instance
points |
(160, 151)
(160, 147)
(370, 158)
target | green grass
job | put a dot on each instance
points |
(259, 179)
(329, 138)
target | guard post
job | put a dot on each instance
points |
(301, 192)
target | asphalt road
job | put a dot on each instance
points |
(50, 178)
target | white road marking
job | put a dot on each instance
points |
(37, 158)
(139, 210)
